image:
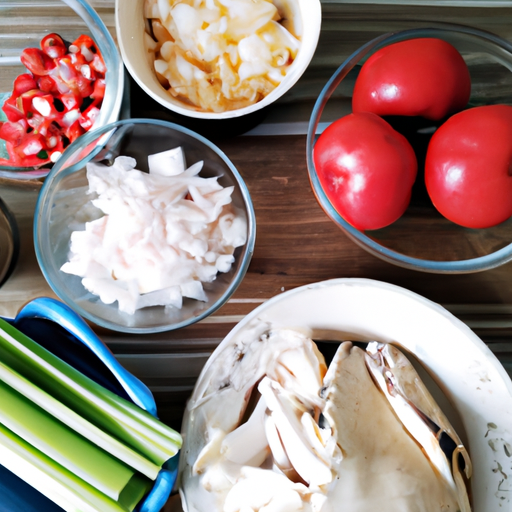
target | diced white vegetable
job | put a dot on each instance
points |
(162, 235)
(161, 66)
(32, 148)
(55, 156)
(196, 40)
(164, 9)
(42, 106)
(70, 117)
(167, 163)
(193, 290)
(89, 56)
(151, 9)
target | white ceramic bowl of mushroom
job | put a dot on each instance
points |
(269, 427)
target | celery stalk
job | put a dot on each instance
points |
(63, 445)
(77, 423)
(62, 487)
(131, 425)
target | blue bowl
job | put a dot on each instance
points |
(60, 330)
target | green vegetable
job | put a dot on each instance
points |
(60, 485)
(72, 451)
(118, 417)
(82, 446)
(76, 422)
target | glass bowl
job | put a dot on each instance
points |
(422, 239)
(24, 24)
(64, 195)
(130, 25)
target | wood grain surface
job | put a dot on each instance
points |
(296, 244)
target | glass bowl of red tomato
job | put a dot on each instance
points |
(59, 78)
(409, 148)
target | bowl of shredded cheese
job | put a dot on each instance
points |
(217, 59)
(144, 226)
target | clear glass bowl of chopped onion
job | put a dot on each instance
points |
(217, 59)
(144, 226)
(72, 80)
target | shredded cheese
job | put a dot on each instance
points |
(162, 234)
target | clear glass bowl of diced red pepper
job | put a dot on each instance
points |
(59, 79)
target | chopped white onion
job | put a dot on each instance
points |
(221, 54)
(162, 235)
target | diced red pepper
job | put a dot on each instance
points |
(14, 159)
(45, 110)
(47, 84)
(24, 83)
(66, 70)
(85, 43)
(12, 132)
(84, 87)
(12, 110)
(31, 145)
(25, 100)
(77, 59)
(74, 131)
(89, 117)
(53, 46)
(36, 61)
(54, 140)
(99, 89)
(71, 101)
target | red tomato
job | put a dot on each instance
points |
(424, 77)
(468, 169)
(366, 169)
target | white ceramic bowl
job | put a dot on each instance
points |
(467, 380)
(130, 34)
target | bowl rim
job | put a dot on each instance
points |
(114, 81)
(477, 264)
(43, 205)
(306, 54)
